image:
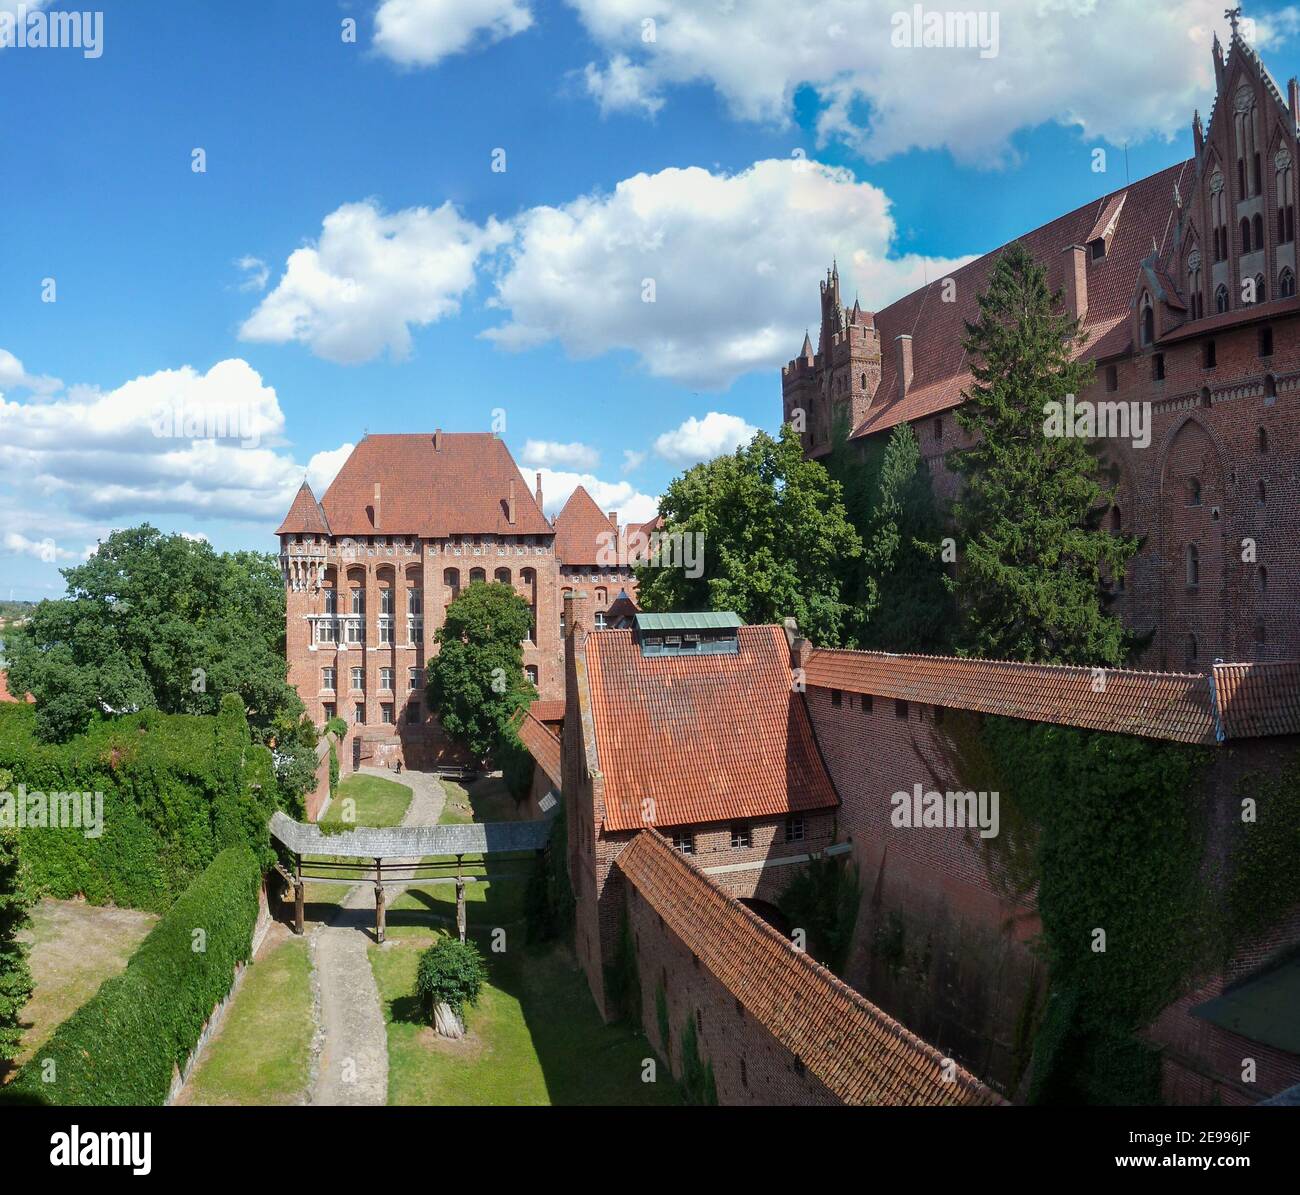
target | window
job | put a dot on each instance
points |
(1194, 293)
(1262, 440)
(414, 629)
(1158, 367)
(1259, 631)
(1219, 217)
(359, 713)
(502, 575)
(1193, 492)
(1193, 567)
(413, 712)
(414, 602)
(451, 580)
(1261, 495)
(386, 600)
(356, 631)
(1148, 320)
(1263, 579)
(938, 429)
(699, 1019)
(937, 712)
(386, 713)
(744, 1074)
(684, 841)
(600, 620)
(794, 828)
(837, 698)
(386, 680)
(741, 837)
(328, 708)
(385, 630)
(1097, 248)
(1220, 298)
(414, 678)
(327, 631)
(327, 678)
(866, 703)
(358, 678)
(358, 601)
(1266, 342)
(1116, 519)
(1270, 390)
(1112, 377)
(1257, 229)
(477, 574)
(1261, 289)
(1285, 198)
(331, 601)
(1209, 355)
(900, 708)
(1245, 236)
(1286, 284)
(1190, 652)
(530, 671)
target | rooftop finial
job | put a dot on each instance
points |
(1232, 16)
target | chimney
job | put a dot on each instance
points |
(613, 519)
(800, 647)
(1293, 98)
(539, 491)
(1076, 281)
(437, 439)
(576, 604)
(510, 504)
(376, 519)
(904, 343)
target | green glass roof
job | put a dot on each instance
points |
(704, 620)
(1262, 1008)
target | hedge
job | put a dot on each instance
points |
(123, 1045)
(178, 789)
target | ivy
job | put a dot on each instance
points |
(823, 898)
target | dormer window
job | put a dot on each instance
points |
(1097, 248)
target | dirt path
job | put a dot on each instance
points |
(353, 1066)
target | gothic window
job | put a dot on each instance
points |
(1193, 567)
(1248, 155)
(1270, 389)
(477, 574)
(451, 579)
(1245, 236)
(1257, 229)
(1148, 320)
(1261, 289)
(1221, 298)
(1263, 440)
(1286, 284)
(1219, 217)
(1195, 295)
(1193, 492)
(502, 575)
(1285, 197)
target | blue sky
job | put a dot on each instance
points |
(725, 152)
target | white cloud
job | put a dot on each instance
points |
(632, 505)
(733, 260)
(256, 273)
(148, 447)
(1083, 64)
(703, 439)
(44, 550)
(14, 376)
(324, 467)
(632, 460)
(370, 278)
(550, 453)
(622, 86)
(424, 32)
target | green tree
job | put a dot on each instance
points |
(16, 901)
(159, 621)
(1032, 554)
(476, 681)
(776, 540)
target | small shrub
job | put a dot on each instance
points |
(450, 973)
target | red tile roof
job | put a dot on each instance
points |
(581, 530)
(460, 489)
(5, 695)
(708, 738)
(1259, 699)
(305, 515)
(1161, 705)
(548, 710)
(940, 368)
(542, 745)
(854, 1049)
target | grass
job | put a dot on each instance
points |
(261, 1056)
(75, 947)
(367, 801)
(485, 800)
(533, 1038)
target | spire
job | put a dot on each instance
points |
(807, 345)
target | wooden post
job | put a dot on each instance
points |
(297, 896)
(460, 907)
(379, 901)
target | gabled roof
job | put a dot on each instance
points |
(461, 488)
(542, 745)
(305, 515)
(850, 1046)
(1161, 705)
(549, 709)
(1143, 212)
(581, 531)
(703, 620)
(1259, 699)
(708, 737)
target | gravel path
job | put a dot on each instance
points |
(353, 1068)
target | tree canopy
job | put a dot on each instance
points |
(1032, 553)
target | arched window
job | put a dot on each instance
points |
(1285, 197)
(1248, 153)
(502, 575)
(1219, 217)
(1261, 492)
(451, 579)
(1263, 440)
(1193, 565)
(1270, 390)
(1148, 320)
(530, 671)
(1221, 298)
(1257, 227)
(1195, 296)
(1116, 523)
(1191, 650)
(477, 574)
(1261, 289)
(1263, 579)
(1286, 283)
(1193, 492)
(1245, 236)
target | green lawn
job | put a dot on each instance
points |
(367, 801)
(262, 1053)
(534, 1037)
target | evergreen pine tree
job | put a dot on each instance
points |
(1032, 554)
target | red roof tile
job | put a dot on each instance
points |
(581, 530)
(1161, 705)
(5, 695)
(542, 745)
(940, 369)
(853, 1048)
(708, 738)
(548, 710)
(305, 515)
(460, 489)
(1256, 700)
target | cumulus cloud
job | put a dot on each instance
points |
(702, 439)
(550, 453)
(704, 276)
(632, 460)
(14, 376)
(622, 86)
(256, 273)
(178, 441)
(370, 278)
(424, 32)
(1082, 64)
(632, 505)
(324, 467)
(44, 550)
